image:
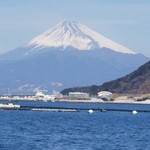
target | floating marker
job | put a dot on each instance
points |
(90, 111)
(134, 112)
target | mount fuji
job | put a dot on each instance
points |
(69, 54)
(73, 34)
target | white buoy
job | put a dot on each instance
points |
(90, 111)
(134, 112)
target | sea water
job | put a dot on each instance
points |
(42, 130)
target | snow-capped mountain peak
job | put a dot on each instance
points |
(75, 35)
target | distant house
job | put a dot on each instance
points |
(105, 95)
(78, 95)
(40, 94)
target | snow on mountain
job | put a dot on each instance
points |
(75, 35)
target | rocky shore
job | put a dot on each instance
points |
(117, 98)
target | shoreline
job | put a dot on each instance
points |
(126, 101)
(106, 102)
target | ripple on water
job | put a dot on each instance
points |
(24, 130)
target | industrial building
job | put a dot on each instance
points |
(79, 95)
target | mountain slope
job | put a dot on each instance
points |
(69, 54)
(137, 82)
(66, 35)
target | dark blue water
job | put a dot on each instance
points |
(35, 130)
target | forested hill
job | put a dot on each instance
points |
(137, 82)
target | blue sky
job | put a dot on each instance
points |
(124, 21)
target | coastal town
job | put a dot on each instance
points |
(101, 97)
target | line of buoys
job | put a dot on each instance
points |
(90, 111)
(134, 112)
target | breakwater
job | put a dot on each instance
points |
(70, 109)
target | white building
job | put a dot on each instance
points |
(40, 94)
(105, 95)
(78, 95)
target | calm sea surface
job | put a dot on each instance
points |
(35, 130)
